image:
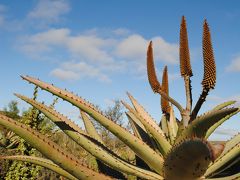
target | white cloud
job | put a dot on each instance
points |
(74, 71)
(165, 51)
(64, 74)
(49, 11)
(43, 42)
(86, 46)
(134, 47)
(105, 54)
(234, 65)
(90, 47)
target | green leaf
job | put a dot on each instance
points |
(140, 131)
(223, 105)
(90, 127)
(232, 177)
(172, 126)
(51, 150)
(41, 162)
(200, 126)
(142, 112)
(139, 147)
(217, 124)
(90, 144)
(163, 145)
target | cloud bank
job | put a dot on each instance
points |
(95, 54)
(49, 11)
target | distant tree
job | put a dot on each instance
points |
(116, 114)
(12, 110)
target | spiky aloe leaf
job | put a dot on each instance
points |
(139, 147)
(199, 127)
(219, 107)
(152, 77)
(51, 150)
(172, 125)
(232, 177)
(140, 131)
(142, 112)
(90, 127)
(188, 160)
(164, 103)
(223, 105)
(62, 122)
(163, 144)
(231, 143)
(185, 65)
(136, 121)
(164, 125)
(217, 124)
(209, 78)
(41, 162)
(90, 144)
(228, 158)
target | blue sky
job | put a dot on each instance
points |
(98, 49)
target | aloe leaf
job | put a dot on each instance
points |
(232, 177)
(90, 144)
(164, 125)
(223, 105)
(217, 124)
(153, 159)
(51, 150)
(163, 144)
(188, 160)
(228, 157)
(172, 125)
(135, 120)
(199, 127)
(140, 131)
(90, 127)
(231, 143)
(62, 122)
(142, 112)
(41, 162)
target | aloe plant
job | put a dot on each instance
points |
(173, 149)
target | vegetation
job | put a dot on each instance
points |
(175, 149)
(13, 145)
